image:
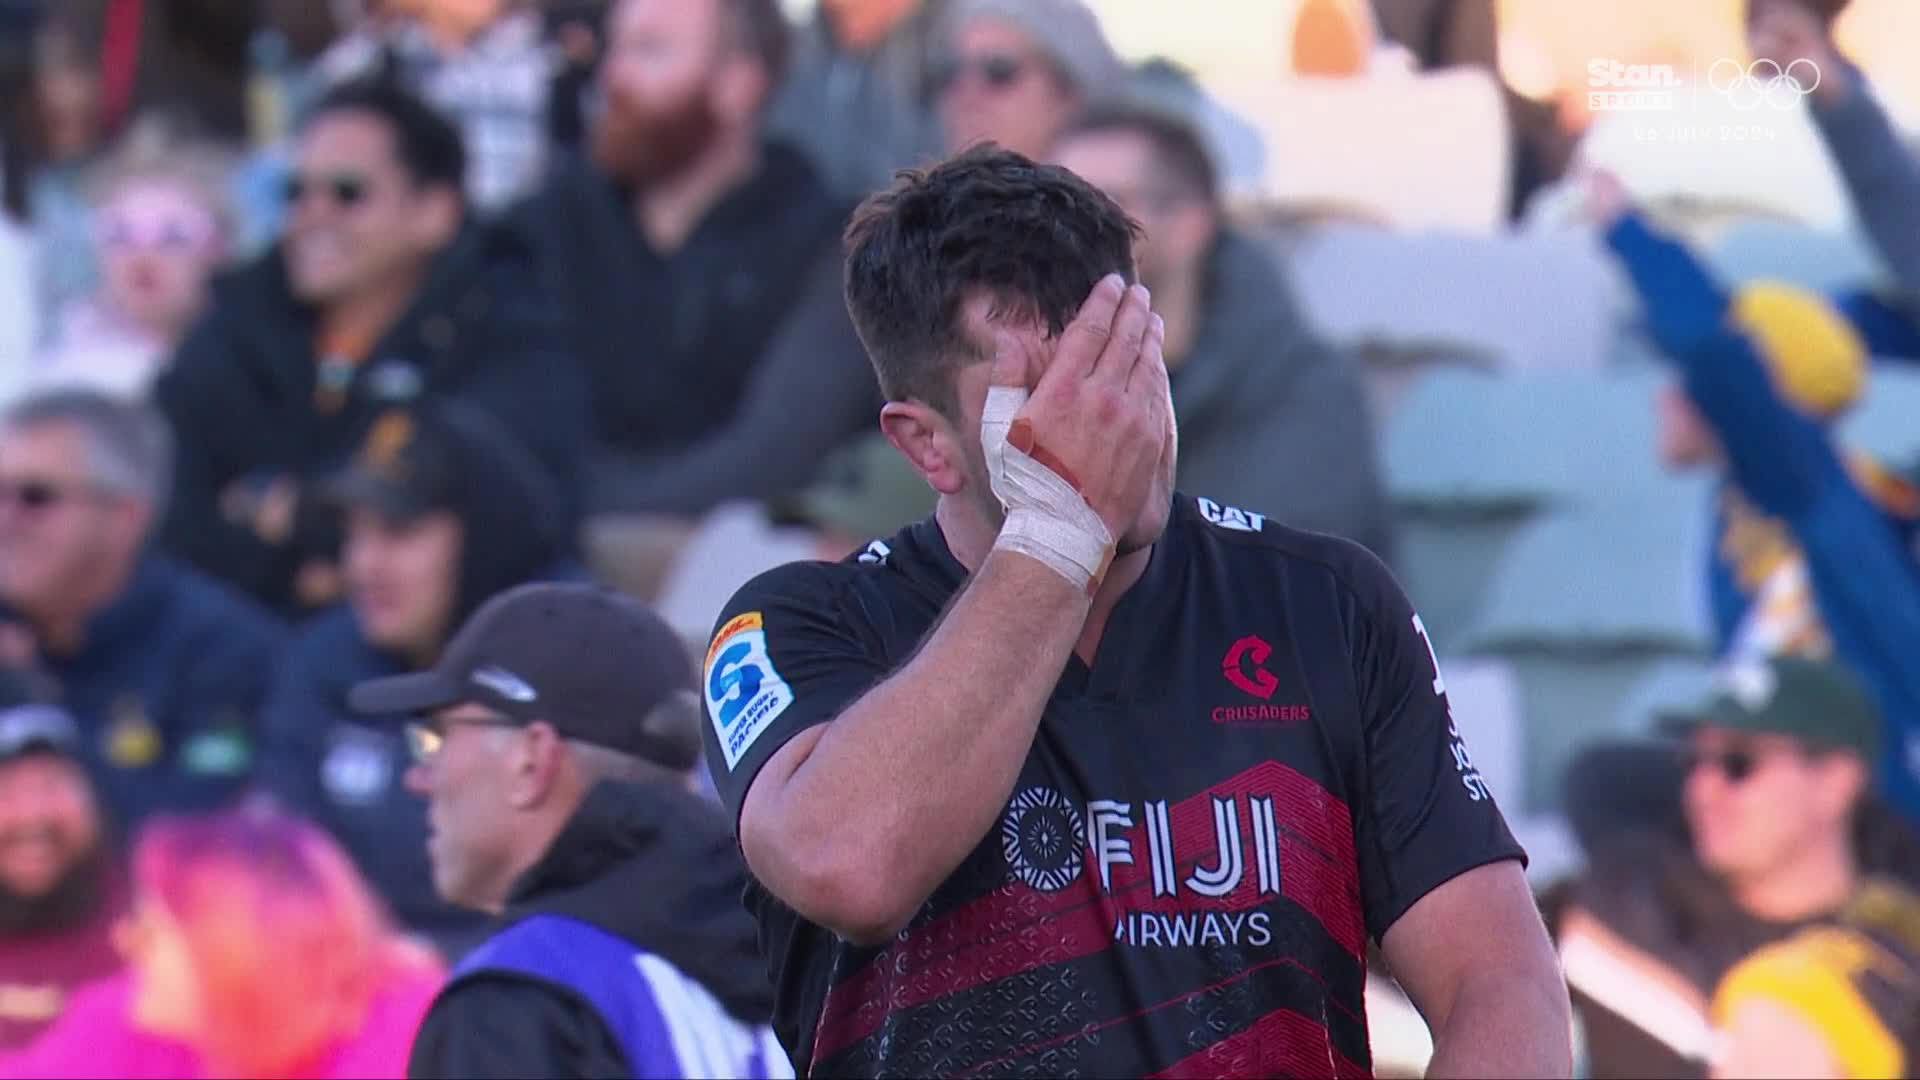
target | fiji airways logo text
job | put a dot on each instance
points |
(1159, 882)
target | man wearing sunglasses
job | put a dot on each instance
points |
(1777, 768)
(1016, 72)
(381, 292)
(162, 667)
(555, 746)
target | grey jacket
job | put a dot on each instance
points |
(1271, 418)
(1881, 174)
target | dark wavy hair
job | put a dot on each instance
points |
(1036, 238)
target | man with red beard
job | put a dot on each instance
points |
(699, 263)
(60, 892)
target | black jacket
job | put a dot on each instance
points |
(240, 396)
(647, 863)
(724, 369)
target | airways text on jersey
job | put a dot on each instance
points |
(1236, 907)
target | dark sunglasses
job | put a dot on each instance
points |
(1735, 765)
(996, 70)
(33, 494)
(344, 189)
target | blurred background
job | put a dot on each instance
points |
(321, 321)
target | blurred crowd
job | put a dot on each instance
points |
(324, 323)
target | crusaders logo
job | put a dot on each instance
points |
(1242, 667)
(1042, 836)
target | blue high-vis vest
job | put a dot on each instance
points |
(667, 1024)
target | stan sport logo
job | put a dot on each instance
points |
(1757, 85)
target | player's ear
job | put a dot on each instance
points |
(929, 441)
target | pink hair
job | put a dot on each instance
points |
(287, 943)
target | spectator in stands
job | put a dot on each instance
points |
(163, 668)
(1271, 419)
(443, 511)
(381, 293)
(557, 745)
(1814, 551)
(255, 950)
(1780, 762)
(1834, 1001)
(1016, 72)
(699, 265)
(1882, 175)
(161, 227)
(65, 133)
(60, 890)
(857, 96)
(484, 63)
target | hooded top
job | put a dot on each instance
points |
(650, 865)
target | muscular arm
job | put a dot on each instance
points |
(1475, 959)
(911, 775)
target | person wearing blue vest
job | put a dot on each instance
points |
(555, 745)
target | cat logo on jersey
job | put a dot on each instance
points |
(745, 694)
(1228, 517)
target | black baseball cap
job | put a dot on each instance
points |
(409, 464)
(1815, 702)
(591, 662)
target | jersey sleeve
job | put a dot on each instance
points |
(783, 658)
(1425, 816)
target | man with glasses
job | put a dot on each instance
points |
(163, 668)
(1778, 765)
(1016, 72)
(381, 292)
(1251, 383)
(555, 748)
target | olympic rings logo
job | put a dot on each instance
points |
(1763, 82)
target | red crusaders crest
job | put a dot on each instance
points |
(1245, 667)
(1250, 677)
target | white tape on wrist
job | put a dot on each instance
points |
(1047, 519)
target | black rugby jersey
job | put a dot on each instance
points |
(1258, 773)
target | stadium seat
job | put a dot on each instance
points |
(1468, 441)
(1782, 251)
(1620, 576)
(1570, 700)
(1371, 133)
(1672, 685)
(1452, 291)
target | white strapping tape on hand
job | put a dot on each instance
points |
(1047, 519)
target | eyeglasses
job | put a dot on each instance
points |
(345, 189)
(426, 737)
(997, 71)
(36, 495)
(1735, 765)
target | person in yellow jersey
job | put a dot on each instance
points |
(1832, 1001)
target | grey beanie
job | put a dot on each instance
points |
(1066, 30)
